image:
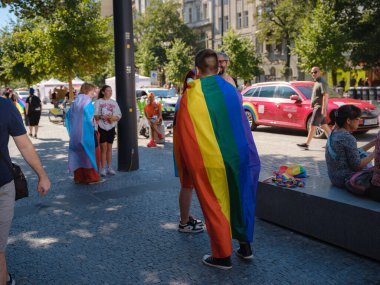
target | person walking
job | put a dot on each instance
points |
(33, 108)
(319, 104)
(215, 151)
(84, 151)
(223, 63)
(107, 113)
(11, 125)
(187, 223)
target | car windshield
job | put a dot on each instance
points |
(23, 93)
(161, 93)
(307, 90)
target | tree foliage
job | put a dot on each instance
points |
(281, 20)
(321, 41)
(241, 51)
(179, 61)
(23, 52)
(155, 31)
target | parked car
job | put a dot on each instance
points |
(287, 105)
(22, 94)
(166, 97)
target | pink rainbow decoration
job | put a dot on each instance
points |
(249, 106)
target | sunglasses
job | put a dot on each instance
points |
(314, 72)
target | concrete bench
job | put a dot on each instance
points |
(325, 212)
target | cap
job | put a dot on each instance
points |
(31, 90)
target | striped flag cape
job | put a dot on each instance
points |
(78, 121)
(20, 104)
(213, 144)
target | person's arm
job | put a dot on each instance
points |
(117, 115)
(325, 102)
(30, 155)
(369, 145)
(26, 107)
(159, 112)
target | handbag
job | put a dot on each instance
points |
(21, 185)
(360, 182)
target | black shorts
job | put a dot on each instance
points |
(317, 118)
(34, 118)
(107, 136)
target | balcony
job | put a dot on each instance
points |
(199, 24)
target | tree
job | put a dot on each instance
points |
(155, 31)
(321, 41)
(281, 20)
(23, 52)
(241, 51)
(80, 41)
(179, 61)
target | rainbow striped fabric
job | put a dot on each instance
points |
(20, 105)
(213, 145)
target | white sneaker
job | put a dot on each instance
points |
(103, 172)
(110, 171)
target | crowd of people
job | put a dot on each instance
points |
(214, 151)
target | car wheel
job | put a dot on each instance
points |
(319, 132)
(251, 120)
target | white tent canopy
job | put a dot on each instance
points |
(140, 81)
(46, 87)
(77, 81)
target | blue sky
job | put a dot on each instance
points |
(5, 16)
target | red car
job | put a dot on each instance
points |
(287, 105)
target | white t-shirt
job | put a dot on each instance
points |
(106, 108)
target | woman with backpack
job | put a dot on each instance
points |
(33, 108)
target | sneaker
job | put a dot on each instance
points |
(96, 182)
(221, 263)
(35, 136)
(30, 134)
(303, 145)
(196, 221)
(191, 227)
(11, 281)
(103, 172)
(245, 251)
(152, 143)
(110, 171)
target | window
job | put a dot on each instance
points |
(267, 91)
(205, 14)
(190, 15)
(245, 19)
(219, 25)
(250, 92)
(284, 92)
(226, 23)
(306, 90)
(197, 13)
(238, 21)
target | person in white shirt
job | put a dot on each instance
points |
(107, 113)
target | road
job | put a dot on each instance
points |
(124, 231)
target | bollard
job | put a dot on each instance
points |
(365, 93)
(372, 93)
(352, 92)
(359, 93)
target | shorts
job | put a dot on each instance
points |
(107, 136)
(317, 118)
(7, 204)
(34, 118)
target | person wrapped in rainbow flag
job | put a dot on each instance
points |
(214, 149)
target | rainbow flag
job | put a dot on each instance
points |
(214, 146)
(20, 104)
(81, 131)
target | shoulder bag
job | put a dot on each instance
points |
(21, 185)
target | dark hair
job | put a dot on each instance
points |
(189, 74)
(101, 91)
(207, 61)
(340, 115)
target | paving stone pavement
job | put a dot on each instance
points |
(124, 231)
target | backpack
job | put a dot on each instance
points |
(360, 182)
(34, 104)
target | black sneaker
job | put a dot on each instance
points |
(303, 145)
(11, 280)
(245, 251)
(191, 227)
(221, 263)
(196, 221)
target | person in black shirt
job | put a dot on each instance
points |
(33, 109)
